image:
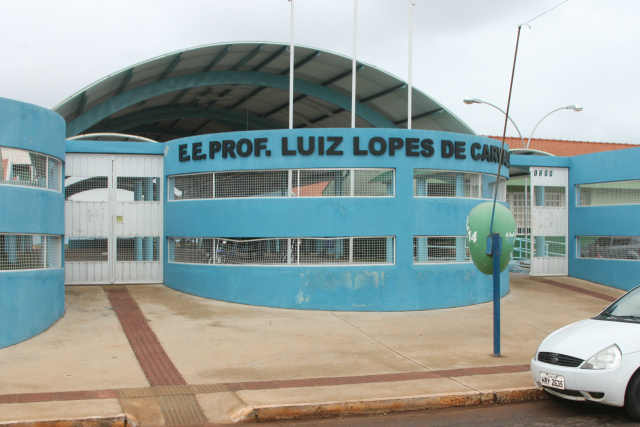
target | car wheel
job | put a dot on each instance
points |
(632, 398)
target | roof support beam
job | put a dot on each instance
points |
(420, 116)
(326, 83)
(171, 67)
(383, 93)
(247, 58)
(126, 81)
(218, 58)
(160, 87)
(82, 104)
(284, 73)
(156, 114)
(271, 58)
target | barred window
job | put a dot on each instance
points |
(137, 189)
(25, 168)
(250, 184)
(29, 251)
(609, 247)
(284, 183)
(78, 249)
(137, 248)
(86, 189)
(440, 249)
(186, 187)
(549, 246)
(549, 197)
(282, 251)
(438, 183)
(608, 193)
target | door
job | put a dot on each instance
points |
(113, 219)
(549, 221)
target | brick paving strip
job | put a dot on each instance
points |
(171, 390)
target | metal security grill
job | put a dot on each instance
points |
(137, 189)
(549, 246)
(520, 206)
(550, 197)
(186, 187)
(282, 251)
(609, 193)
(86, 249)
(440, 249)
(29, 251)
(25, 168)
(137, 248)
(437, 183)
(86, 189)
(250, 184)
(609, 247)
(284, 183)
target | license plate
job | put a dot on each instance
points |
(551, 380)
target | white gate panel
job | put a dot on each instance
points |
(138, 272)
(138, 219)
(113, 218)
(85, 219)
(549, 221)
(86, 273)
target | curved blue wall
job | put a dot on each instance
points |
(30, 300)
(623, 220)
(397, 287)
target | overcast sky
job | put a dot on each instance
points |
(583, 52)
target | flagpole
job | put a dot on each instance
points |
(291, 58)
(410, 97)
(353, 65)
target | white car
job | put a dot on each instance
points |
(595, 359)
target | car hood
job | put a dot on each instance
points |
(587, 337)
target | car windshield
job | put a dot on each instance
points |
(626, 308)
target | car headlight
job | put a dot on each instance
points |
(608, 358)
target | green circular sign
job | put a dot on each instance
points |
(478, 229)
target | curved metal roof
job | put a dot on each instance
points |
(245, 86)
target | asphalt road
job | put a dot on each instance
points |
(529, 414)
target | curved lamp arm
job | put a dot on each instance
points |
(470, 101)
(576, 108)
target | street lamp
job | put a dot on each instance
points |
(576, 108)
(470, 101)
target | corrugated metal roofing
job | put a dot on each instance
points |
(244, 86)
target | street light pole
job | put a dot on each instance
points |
(576, 108)
(470, 101)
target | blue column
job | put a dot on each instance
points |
(539, 194)
(390, 250)
(339, 246)
(147, 248)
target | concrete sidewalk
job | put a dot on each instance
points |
(163, 358)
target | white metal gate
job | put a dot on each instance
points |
(549, 221)
(113, 218)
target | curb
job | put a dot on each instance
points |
(118, 421)
(385, 405)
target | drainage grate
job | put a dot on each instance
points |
(181, 410)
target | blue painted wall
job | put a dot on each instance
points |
(619, 165)
(402, 286)
(30, 300)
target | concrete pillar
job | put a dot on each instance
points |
(460, 190)
(390, 250)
